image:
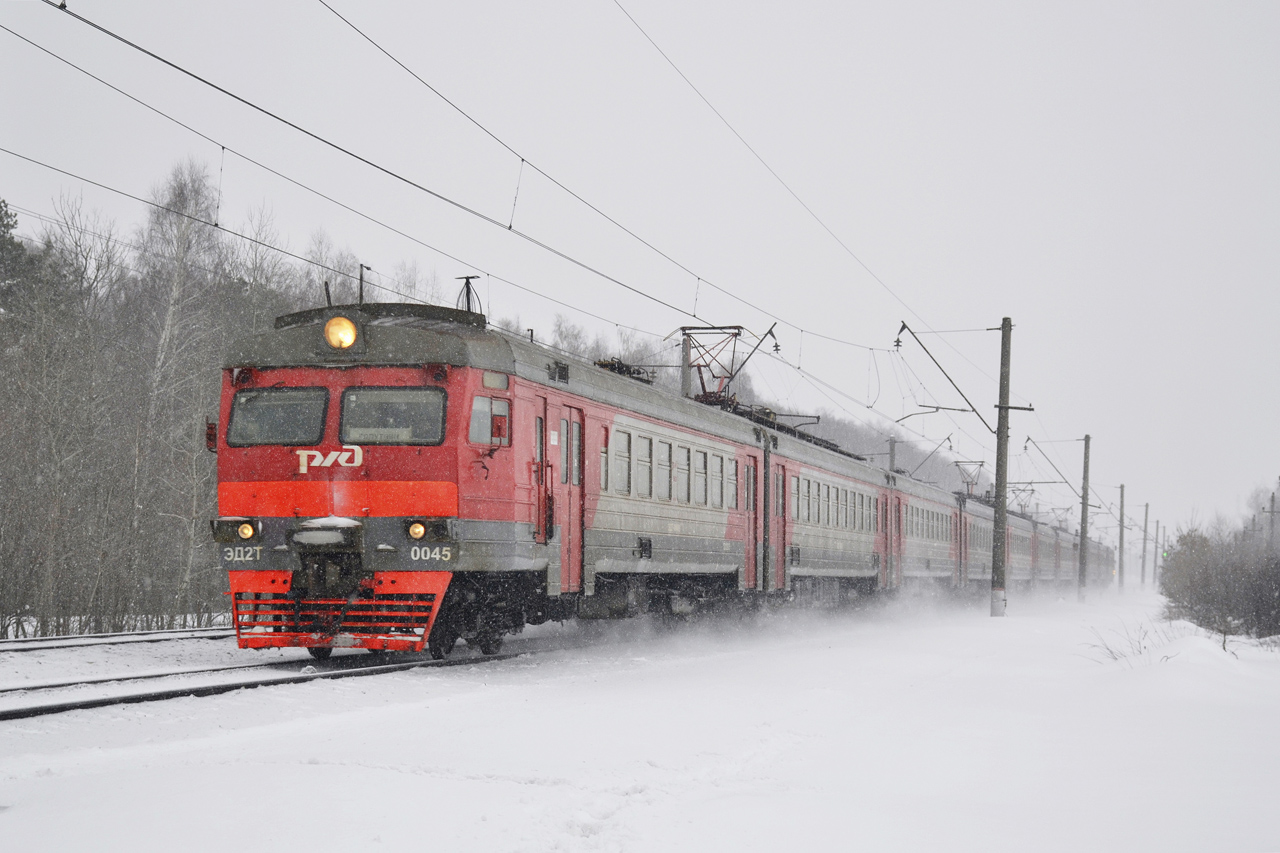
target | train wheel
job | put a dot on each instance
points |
(490, 644)
(440, 648)
(320, 652)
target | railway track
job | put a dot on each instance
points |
(37, 644)
(294, 672)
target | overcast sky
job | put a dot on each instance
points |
(1103, 173)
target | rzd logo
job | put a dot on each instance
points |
(348, 457)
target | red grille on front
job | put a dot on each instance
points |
(396, 613)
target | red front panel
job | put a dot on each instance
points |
(393, 611)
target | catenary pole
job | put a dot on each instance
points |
(1084, 525)
(1146, 509)
(1120, 573)
(998, 547)
(1155, 554)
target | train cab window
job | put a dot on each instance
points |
(717, 481)
(731, 484)
(392, 416)
(644, 466)
(622, 462)
(286, 416)
(490, 422)
(662, 472)
(700, 477)
(682, 475)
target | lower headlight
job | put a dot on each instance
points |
(246, 531)
(417, 530)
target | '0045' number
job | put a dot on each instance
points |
(426, 552)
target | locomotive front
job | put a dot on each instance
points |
(338, 473)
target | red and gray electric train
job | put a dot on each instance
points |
(397, 477)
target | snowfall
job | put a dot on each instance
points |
(916, 724)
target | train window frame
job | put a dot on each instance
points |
(643, 450)
(700, 477)
(324, 415)
(575, 450)
(345, 438)
(684, 474)
(621, 475)
(662, 471)
(563, 441)
(483, 410)
(715, 481)
(604, 459)
(731, 485)
(795, 497)
(826, 504)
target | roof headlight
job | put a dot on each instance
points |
(340, 332)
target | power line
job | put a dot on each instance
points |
(318, 193)
(376, 166)
(525, 161)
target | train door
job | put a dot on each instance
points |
(754, 533)
(541, 482)
(777, 576)
(570, 505)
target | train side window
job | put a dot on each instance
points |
(644, 466)
(682, 474)
(826, 505)
(795, 498)
(604, 459)
(780, 492)
(700, 477)
(575, 450)
(564, 450)
(662, 472)
(842, 518)
(717, 481)
(622, 462)
(749, 487)
(806, 500)
(875, 510)
(732, 485)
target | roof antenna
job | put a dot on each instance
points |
(328, 298)
(468, 294)
(360, 296)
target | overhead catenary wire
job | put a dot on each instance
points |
(391, 173)
(524, 161)
(319, 194)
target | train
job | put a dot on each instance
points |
(398, 477)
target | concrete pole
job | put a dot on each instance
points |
(998, 546)
(1271, 532)
(1120, 573)
(1146, 509)
(1155, 555)
(1084, 525)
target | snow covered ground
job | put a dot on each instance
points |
(911, 726)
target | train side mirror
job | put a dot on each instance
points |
(211, 435)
